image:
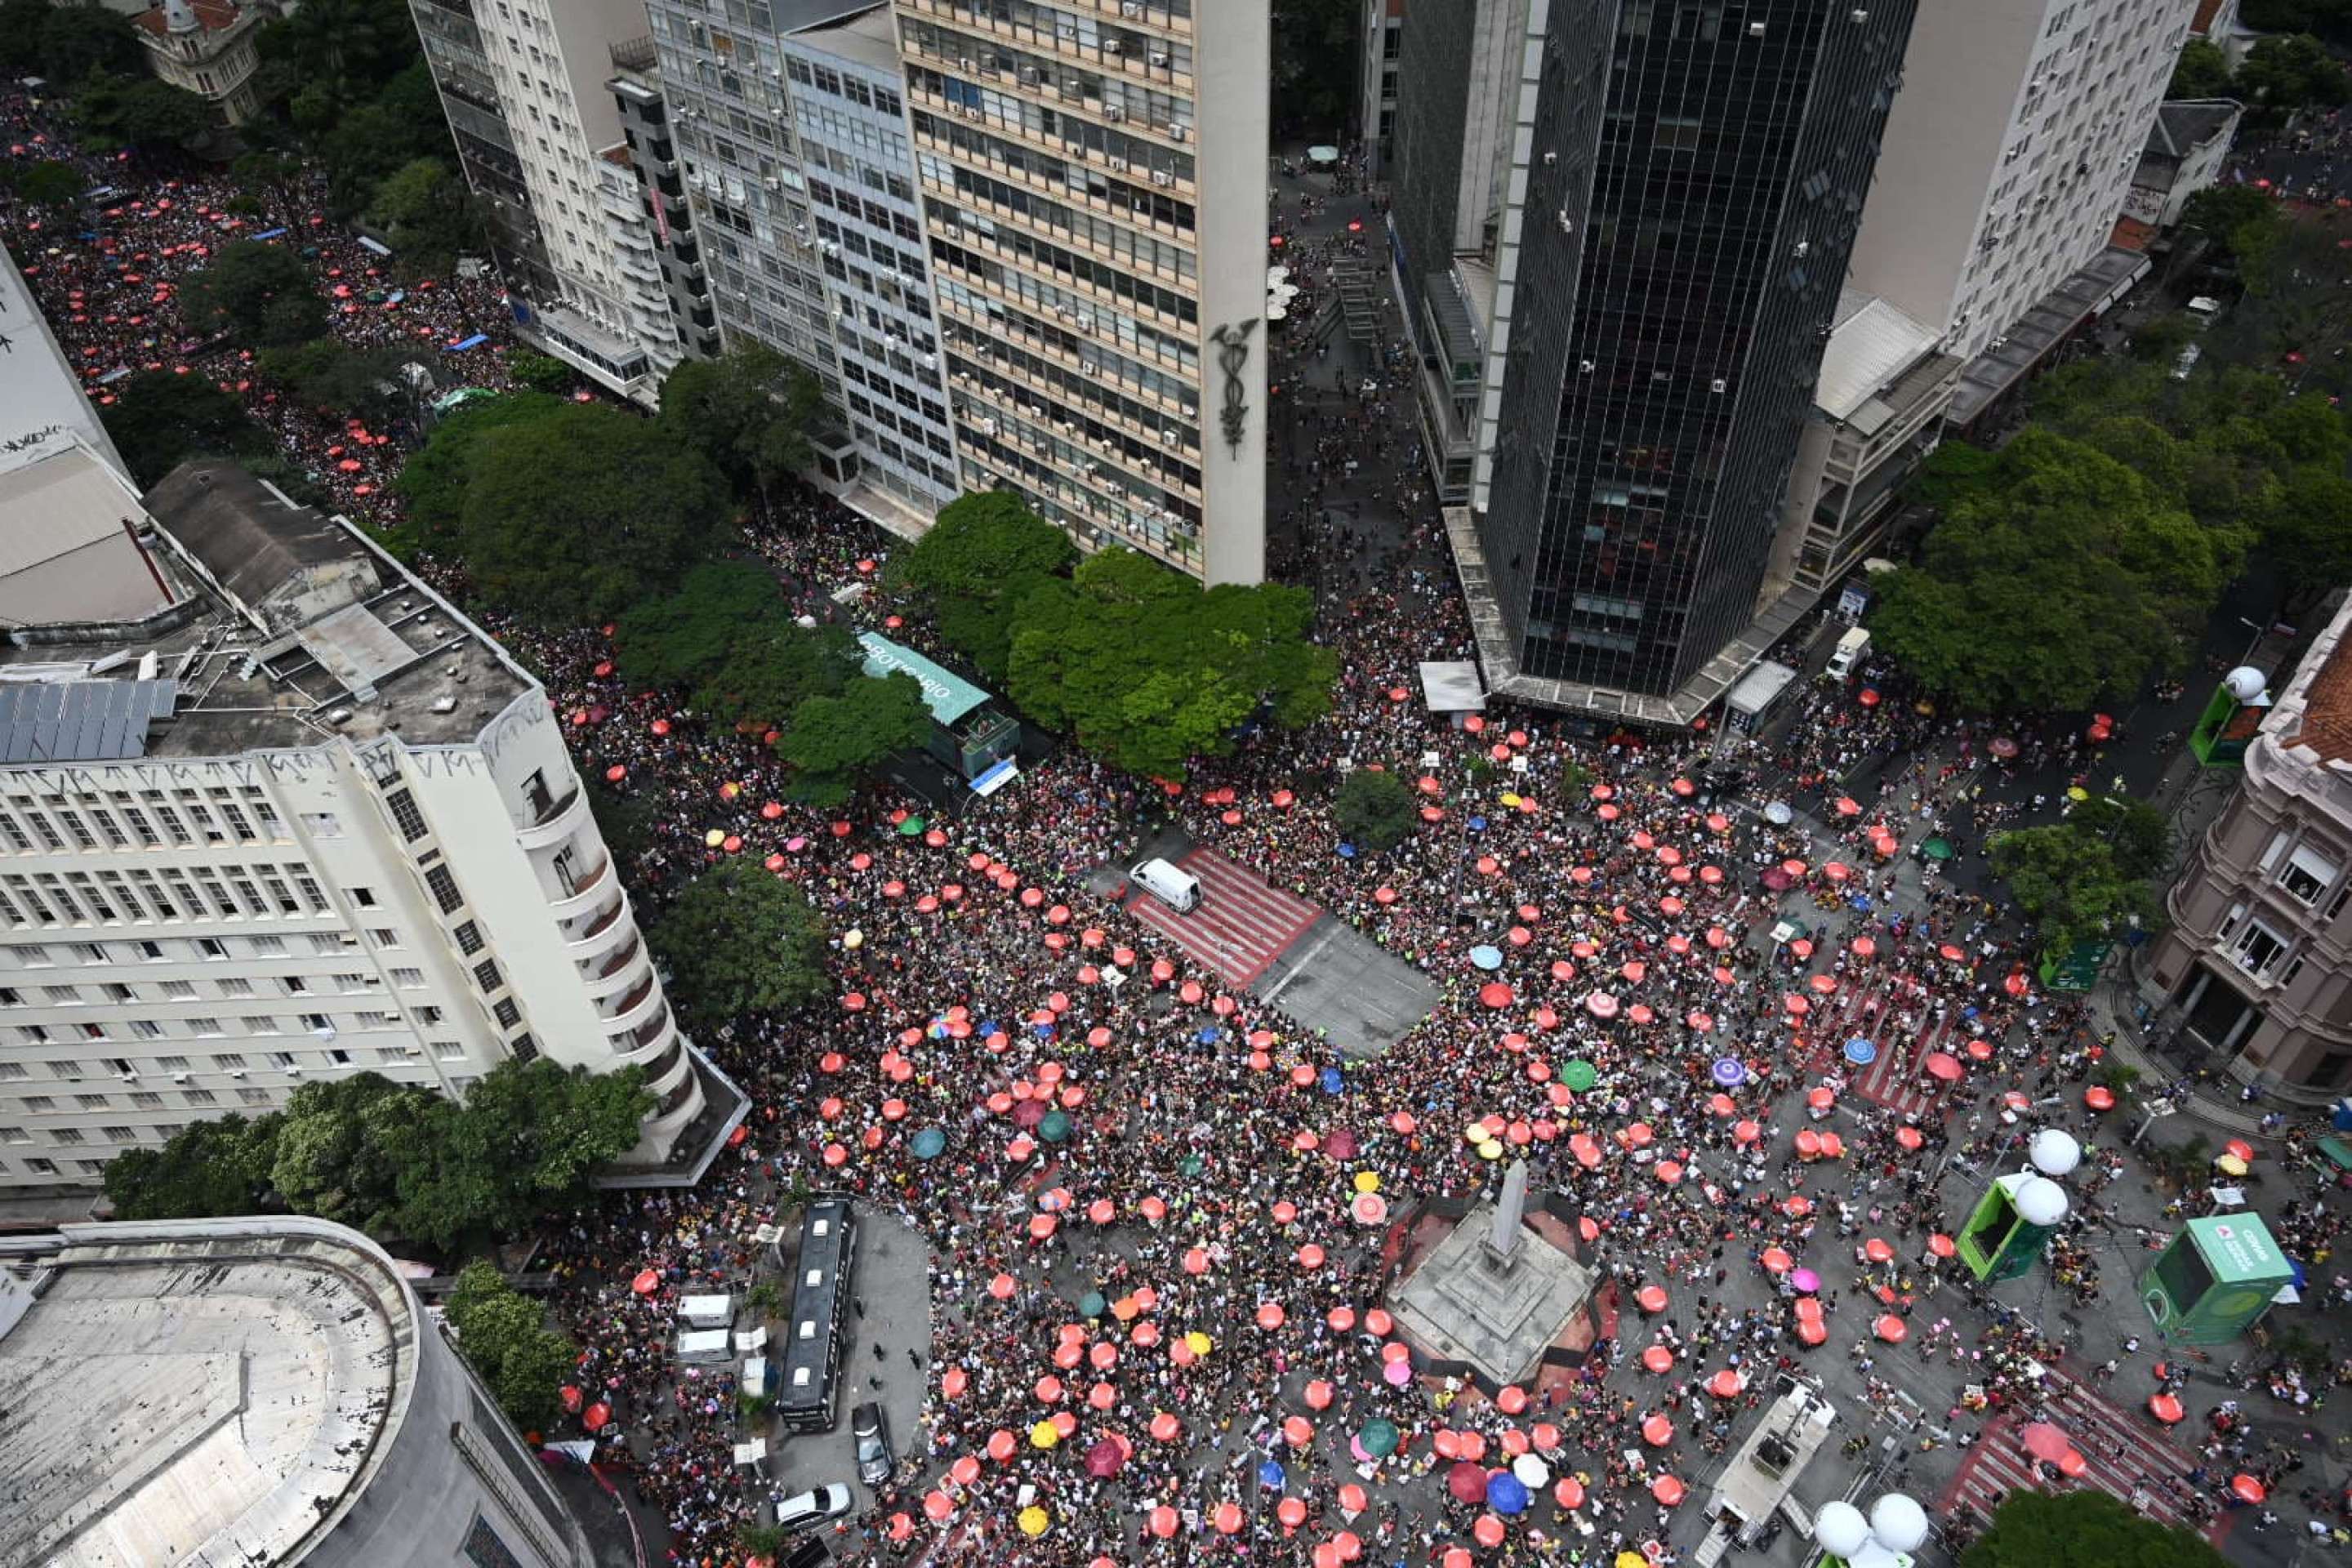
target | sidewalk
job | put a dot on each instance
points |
(2113, 1010)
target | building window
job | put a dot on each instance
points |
(470, 939)
(507, 1013)
(2307, 875)
(405, 814)
(2257, 948)
(445, 889)
(485, 975)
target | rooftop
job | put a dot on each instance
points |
(1871, 344)
(2186, 124)
(2088, 291)
(213, 15)
(2314, 711)
(205, 1392)
(306, 632)
(856, 30)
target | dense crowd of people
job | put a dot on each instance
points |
(1165, 1213)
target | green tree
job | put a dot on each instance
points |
(20, 36)
(980, 558)
(205, 1169)
(2160, 339)
(505, 1335)
(1953, 470)
(2330, 20)
(260, 294)
(159, 420)
(739, 941)
(79, 41)
(2139, 835)
(2066, 578)
(570, 518)
(276, 172)
(727, 640)
(626, 821)
(115, 113)
(524, 1140)
(343, 1145)
(540, 372)
(2202, 71)
(1314, 68)
(434, 482)
(2231, 215)
(2281, 75)
(2306, 528)
(750, 411)
(330, 376)
(2085, 1529)
(1374, 809)
(425, 213)
(45, 183)
(2067, 882)
(836, 743)
(1148, 671)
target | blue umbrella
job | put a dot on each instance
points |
(1729, 1071)
(1861, 902)
(1486, 955)
(1332, 1082)
(1210, 1036)
(927, 1145)
(1860, 1051)
(1345, 850)
(1043, 1031)
(1476, 824)
(1271, 1476)
(1506, 1493)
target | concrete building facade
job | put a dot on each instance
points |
(538, 133)
(650, 137)
(265, 1390)
(322, 825)
(2258, 956)
(2008, 154)
(2186, 150)
(1383, 41)
(207, 46)
(1093, 175)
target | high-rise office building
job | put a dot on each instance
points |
(1093, 178)
(1655, 200)
(300, 819)
(650, 136)
(2009, 155)
(791, 141)
(538, 137)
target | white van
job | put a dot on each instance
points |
(707, 1312)
(1178, 890)
(1847, 657)
(2204, 311)
(705, 1347)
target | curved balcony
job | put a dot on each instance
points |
(618, 971)
(638, 1044)
(633, 1008)
(584, 891)
(551, 826)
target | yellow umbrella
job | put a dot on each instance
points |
(1367, 1181)
(2229, 1166)
(1491, 1149)
(1631, 1560)
(2076, 792)
(1202, 1343)
(853, 939)
(1035, 1521)
(715, 837)
(1475, 1132)
(1044, 1434)
(1509, 798)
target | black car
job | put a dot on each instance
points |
(873, 1438)
(809, 1553)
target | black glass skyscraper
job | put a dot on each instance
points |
(1695, 178)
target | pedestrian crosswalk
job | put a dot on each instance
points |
(2128, 1458)
(1241, 924)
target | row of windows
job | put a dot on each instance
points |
(78, 1069)
(172, 893)
(152, 819)
(128, 1031)
(1129, 245)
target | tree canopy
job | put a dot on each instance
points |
(158, 420)
(979, 559)
(2201, 72)
(79, 41)
(836, 743)
(2083, 1529)
(1148, 670)
(425, 212)
(2280, 75)
(727, 640)
(749, 412)
(573, 517)
(260, 294)
(335, 378)
(396, 1160)
(505, 1335)
(115, 112)
(740, 940)
(1314, 69)
(433, 481)
(1374, 809)
(2067, 881)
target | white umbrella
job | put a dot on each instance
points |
(1531, 1471)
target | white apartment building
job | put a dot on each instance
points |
(1093, 175)
(2008, 154)
(522, 82)
(313, 822)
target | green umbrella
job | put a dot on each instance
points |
(1055, 1127)
(910, 826)
(1379, 1439)
(1092, 1305)
(1580, 1075)
(1936, 849)
(1193, 1165)
(928, 1144)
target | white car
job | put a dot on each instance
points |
(810, 1508)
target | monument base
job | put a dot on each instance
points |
(1469, 1303)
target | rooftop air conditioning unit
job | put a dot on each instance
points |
(1160, 56)
(1191, 412)
(1032, 75)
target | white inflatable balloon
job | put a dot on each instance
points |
(1899, 1524)
(2041, 1201)
(1840, 1530)
(2053, 1153)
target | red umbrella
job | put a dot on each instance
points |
(2045, 1441)
(572, 1398)
(1658, 1359)
(1893, 1330)
(1725, 1385)
(1943, 1066)
(2165, 1409)
(2245, 1488)
(1650, 1297)
(646, 1283)
(1667, 1490)
(599, 1416)
(1658, 1431)
(1466, 1482)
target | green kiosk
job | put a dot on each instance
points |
(2218, 1276)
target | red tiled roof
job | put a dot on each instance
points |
(2131, 234)
(216, 16)
(2327, 706)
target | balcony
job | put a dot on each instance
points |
(553, 821)
(582, 891)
